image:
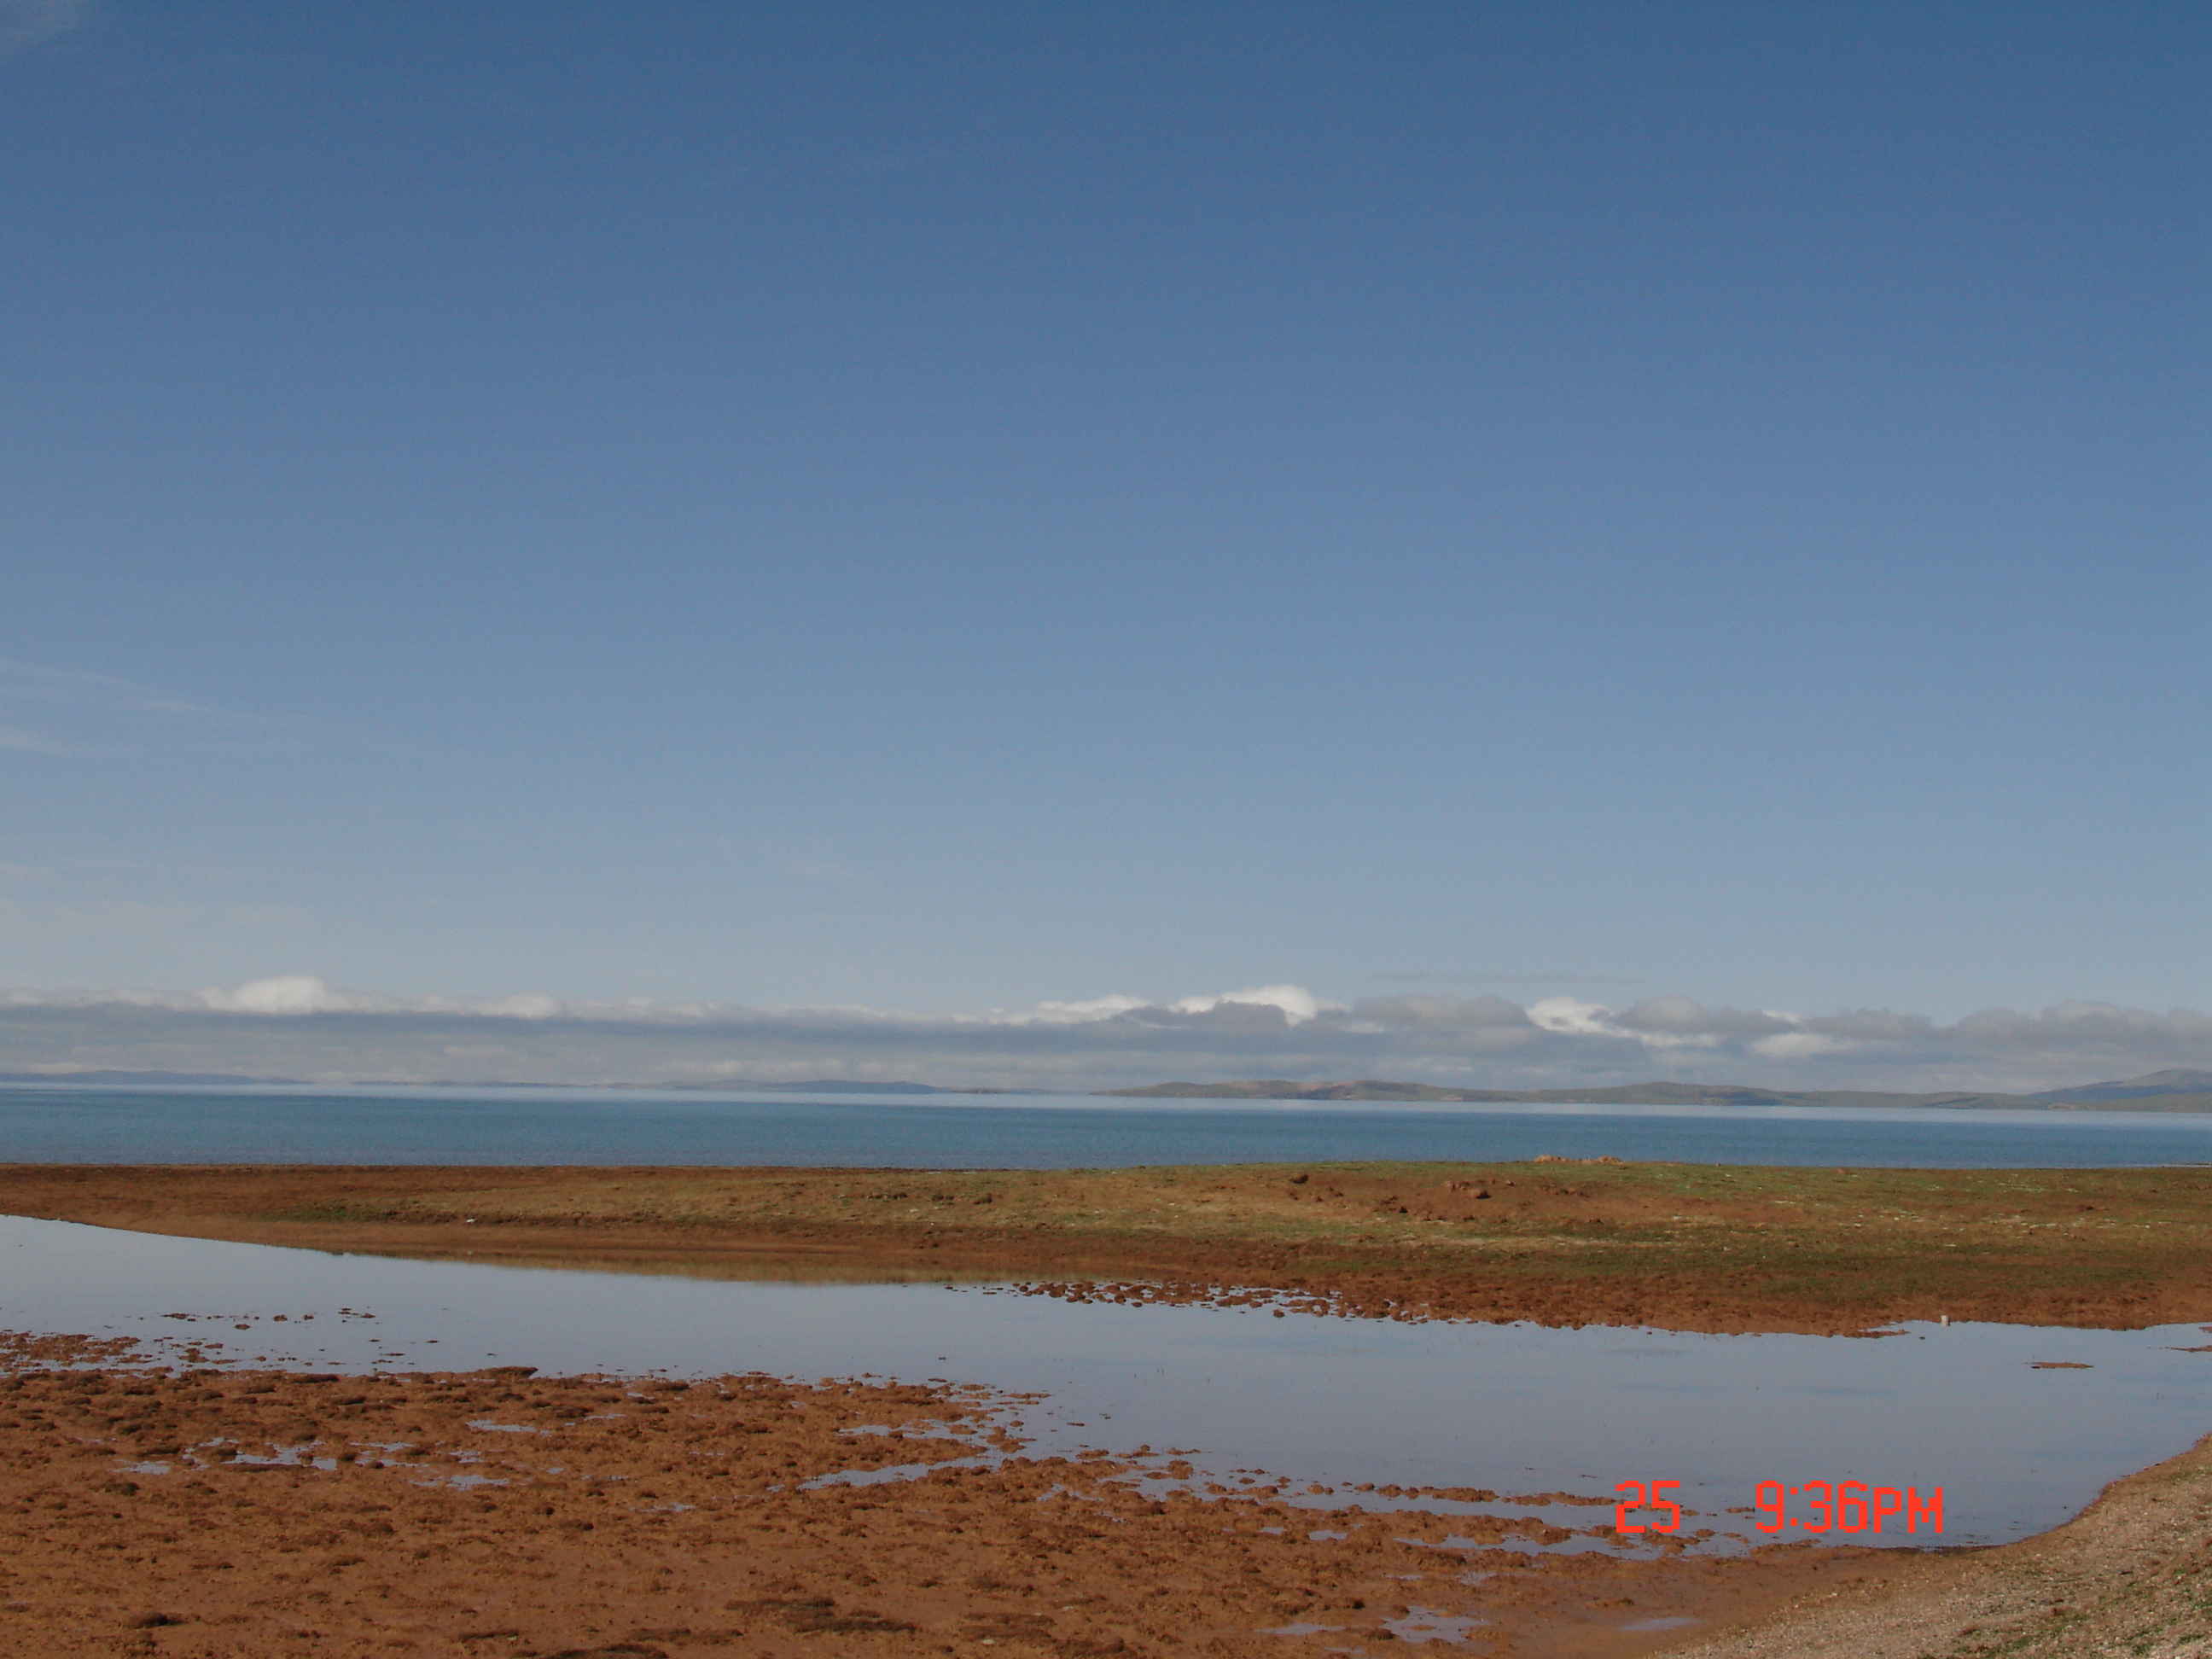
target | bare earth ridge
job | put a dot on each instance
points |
(1691, 1247)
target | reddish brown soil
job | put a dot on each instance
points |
(624, 1520)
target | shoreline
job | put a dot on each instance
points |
(2130, 1576)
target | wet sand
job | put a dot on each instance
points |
(1687, 1247)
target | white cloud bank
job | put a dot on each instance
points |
(295, 1026)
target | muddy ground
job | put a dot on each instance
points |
(496, 1513)
(1691, 1247)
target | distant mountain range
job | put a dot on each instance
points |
(2158, 1091)
(829, 1087)
(727, 1086)
(2155, 1091)
(172, 1079)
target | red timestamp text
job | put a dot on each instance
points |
(1846, 1506)
(1841, 1506)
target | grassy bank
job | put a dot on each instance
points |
(1692, 1246)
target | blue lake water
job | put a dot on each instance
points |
(365, 1125)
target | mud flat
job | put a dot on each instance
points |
(1689, 1247)
(238, 1515)
(494, 1512)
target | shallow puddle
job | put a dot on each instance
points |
(2018, 1426)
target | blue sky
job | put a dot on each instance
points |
(951, 508)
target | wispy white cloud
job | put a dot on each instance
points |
(71, 711)
(299, 1024)
(78, 688)
(1295, 1004)
(27, 23)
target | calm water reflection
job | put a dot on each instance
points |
(1515, 1408)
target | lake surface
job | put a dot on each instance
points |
(1317, 1401)
(96, 1125)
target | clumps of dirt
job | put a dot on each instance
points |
(18, 1349)
(1180, 1293)
(814, 1615)
(235, 1513)
(1410, 1299)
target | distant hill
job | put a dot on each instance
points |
(2160, 1091)
(170, 1077)
(2151, 1085)
(734, 1086)
(827, 1085)
(836, 1086)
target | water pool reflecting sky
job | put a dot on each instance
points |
(1515, 1408)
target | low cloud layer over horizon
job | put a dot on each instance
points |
(297, 1026)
